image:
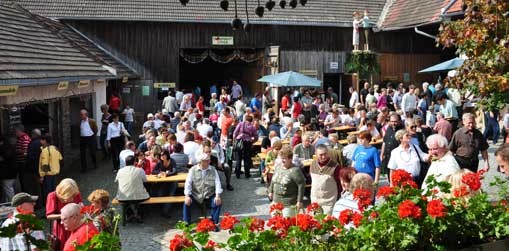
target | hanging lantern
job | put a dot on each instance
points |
(293, 4)
(259, 11)
(236, 24)
(224, 5)
(184, 2)
(303, 2)
(282, 4)
(270, 5)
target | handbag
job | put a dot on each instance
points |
(238, 143)
(47, 168)
(424, 168)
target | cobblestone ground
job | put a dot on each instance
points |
(248, 199)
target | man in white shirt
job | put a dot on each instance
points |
(354, 98)
(131, 190)
(88, 132)
(203, 187)
(240, 108)
(409, 100)
(170, 103)
(191, 147)
(179, 95)
(204, 128)
(130, 149)
(443, 163)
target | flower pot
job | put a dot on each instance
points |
(501, 245)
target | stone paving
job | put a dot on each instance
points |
(248, 199)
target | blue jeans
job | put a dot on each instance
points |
(129, 127)
(48, 185)
(214, 209)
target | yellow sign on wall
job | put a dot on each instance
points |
(164, 85)
(8, 90)
(125, 80)
(64, 85)
(83, 83)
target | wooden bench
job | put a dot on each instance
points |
(151, 200)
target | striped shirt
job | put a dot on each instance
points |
(22, 147)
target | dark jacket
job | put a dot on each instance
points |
(8, 169)
(33, 154)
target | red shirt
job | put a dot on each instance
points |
(84, 233)
(297, 110)
(200, 106)
(114, 103)
(53, 206)
(225, 124)
(285, 102)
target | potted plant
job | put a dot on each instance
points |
(406, 218)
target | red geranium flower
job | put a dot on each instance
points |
(472, 180)
(385, 191)
(436, 209)
(280, 225)
(356, 219)
(306, 222)
(345, 216)
(210, 245)
(179, 242)
(313, 208)
(460, 192)
(205, 225)
(276, 208)
(228, 222)
(409, 183)
(363, 197)
(408, 208)
(400, 177)
(256, 225)
(373, 215)
(329, 218)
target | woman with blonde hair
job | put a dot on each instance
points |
(67, 191)
(458, 188)
(102, 213)
(347, 201)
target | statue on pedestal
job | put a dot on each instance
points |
(356, 25)
(366, 25)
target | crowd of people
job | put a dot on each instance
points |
(427, 130)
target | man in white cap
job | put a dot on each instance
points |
(203, 189)
(24, 204)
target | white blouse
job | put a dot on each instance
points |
(114, 130)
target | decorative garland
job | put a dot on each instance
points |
(196, 58)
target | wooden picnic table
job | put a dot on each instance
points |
(259, 142)
(373, 142)
(180, 177)
(354, 133)
(344, 128)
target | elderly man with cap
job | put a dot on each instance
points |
(202, 188)
(24, 204)
(74, 222)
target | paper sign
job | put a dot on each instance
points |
(100, 81)
(8, 90)
(334, 65)
(64, 85)
(218, 40)
(145, 90)
(126, 90)
(83, 83)
(164, 85)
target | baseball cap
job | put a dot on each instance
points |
(21, 198)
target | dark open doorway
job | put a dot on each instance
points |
(222, 73)
(339, 83)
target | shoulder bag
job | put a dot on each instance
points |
(46, 167)
(424, 168)
(238, 143)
